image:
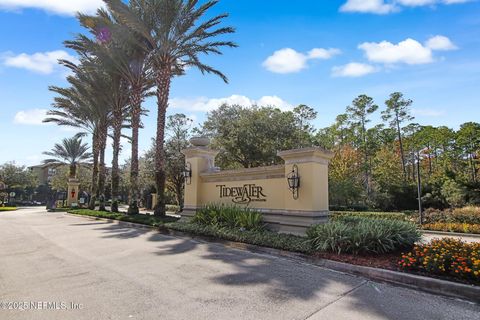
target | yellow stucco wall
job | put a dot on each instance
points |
(312, 163)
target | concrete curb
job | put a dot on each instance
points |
(453, 234)
(412, 281)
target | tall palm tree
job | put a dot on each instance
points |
(122, 52)
(72, 152)
(83, 106)
(172, 37)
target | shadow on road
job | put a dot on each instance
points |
(282, 279)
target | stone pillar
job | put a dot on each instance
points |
(311, 206)
(72, 191)
(199, 159)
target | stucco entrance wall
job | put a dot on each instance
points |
(263, 188)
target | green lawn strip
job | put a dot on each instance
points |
(263, 238)
(8, 208)
(139, 218)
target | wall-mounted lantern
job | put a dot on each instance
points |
(187, 173)
(293, 180)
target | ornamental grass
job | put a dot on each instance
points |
(445, 257)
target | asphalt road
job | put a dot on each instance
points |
(113, 272)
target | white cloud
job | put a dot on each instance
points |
(62, 7)
(40, 62)
(30, 117)
(416, 3)
(428, 112)
(273, 101)
(440, 43)
(288, 60)
(204, 104)
(353, 70)
(409, 51)
(389, 6)
(320, 53)
(368, 6)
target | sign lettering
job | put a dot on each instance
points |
(244, 194)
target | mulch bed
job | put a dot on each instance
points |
(385, 261)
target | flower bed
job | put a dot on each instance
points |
(445, 257)
(453, 227)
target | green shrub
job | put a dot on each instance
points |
(375, 215)
(233, 217)
(172, 208)
(360, 235)
(263, 238)
(469, 215)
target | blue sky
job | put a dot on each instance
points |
(320, 53)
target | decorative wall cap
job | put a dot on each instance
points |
(305, 153)
(201, 152)
(270, 170)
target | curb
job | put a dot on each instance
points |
(412, 281)
(453, 234)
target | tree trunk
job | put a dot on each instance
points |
(94, 190)
(402, 154)
(365, 151)
(163, 79)
(117, 134)
(103, 170)
(430, 167)
(136, 99)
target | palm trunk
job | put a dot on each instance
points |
(136, 99)
(163, 80)
(103, 170)
(94, 190)
(117, 133)
(73, 171)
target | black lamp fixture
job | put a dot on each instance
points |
(187, 173)
(293, 180)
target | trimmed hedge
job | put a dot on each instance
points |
(452, 227)
(469, 215)
(360, 235)
(375, 215)
(138, 218)
(263, 238)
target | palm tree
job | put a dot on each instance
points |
(72, 152)
(170, 35)
(129, 60)
(83, 106)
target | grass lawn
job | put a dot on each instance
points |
(138, 218)
(8, 208)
